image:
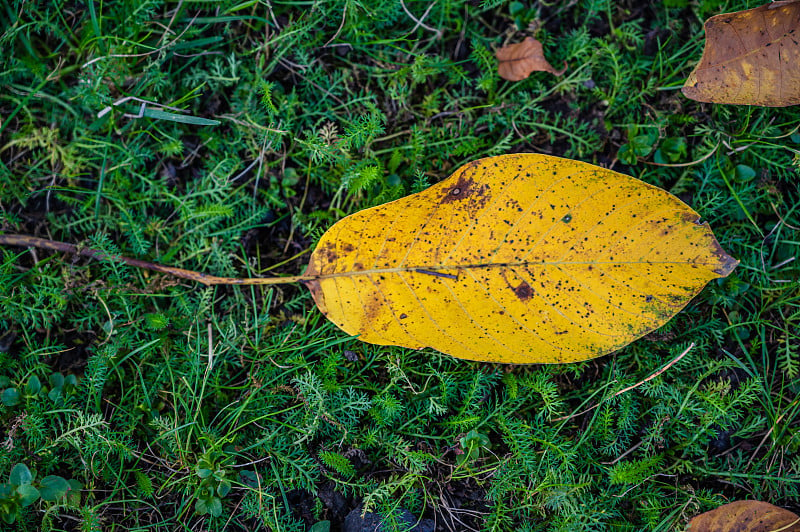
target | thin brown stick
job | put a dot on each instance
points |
(208, 280)
(629, 388)
(680, 165)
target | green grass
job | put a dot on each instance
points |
(269, 121)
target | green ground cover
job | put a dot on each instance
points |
(179, 407)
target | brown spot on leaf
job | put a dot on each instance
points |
(327, 255)
(523, 291)
(690, 218)
(372, 308)
(467, 189)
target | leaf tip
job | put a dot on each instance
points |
(727, 265)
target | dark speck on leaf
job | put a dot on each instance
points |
(523, 291)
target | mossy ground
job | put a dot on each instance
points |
(250, 128)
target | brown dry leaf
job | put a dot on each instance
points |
(517, 61)
(518, 259)
(746, 516)
(751, 57)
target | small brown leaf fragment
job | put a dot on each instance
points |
(746, 516)
(517, 61)
(751, 57)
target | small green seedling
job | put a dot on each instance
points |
(22, 490)
(214, 485)
(472, 445)
(60, 386)
(638, 145)
(670, 150)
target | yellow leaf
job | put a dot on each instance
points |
(519, 259)
(750, 57)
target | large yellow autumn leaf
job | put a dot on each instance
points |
(519, 259)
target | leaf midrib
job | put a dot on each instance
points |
(447, 268)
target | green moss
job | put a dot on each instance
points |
(264, 123)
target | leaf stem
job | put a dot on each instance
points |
(208, 280)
